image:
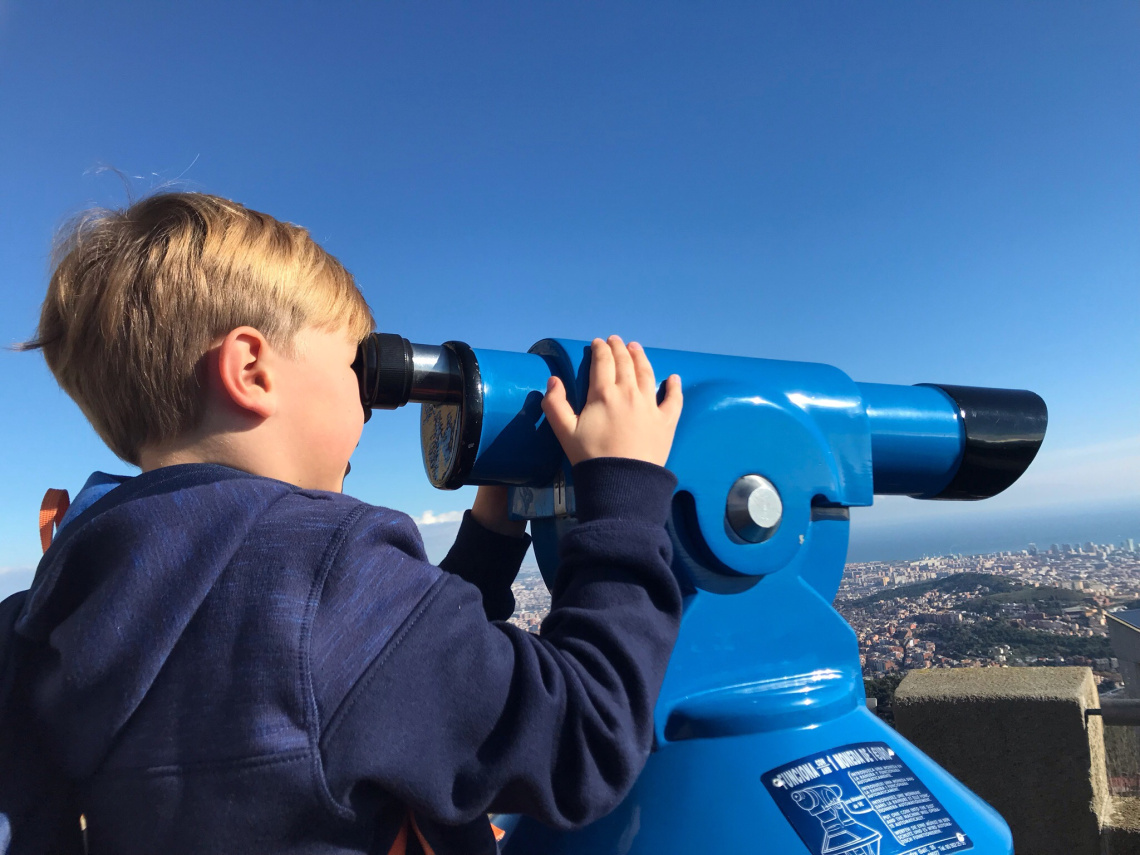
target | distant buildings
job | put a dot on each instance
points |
(532, 599)
(891, 633)
(1104, 575)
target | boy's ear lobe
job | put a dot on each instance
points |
(246, 371)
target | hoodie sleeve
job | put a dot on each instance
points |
(489, 561)
(457, 716)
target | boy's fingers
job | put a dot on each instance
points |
(558, 410)
(645, 379)
(673, 400)
(601, 366)
(623, 364)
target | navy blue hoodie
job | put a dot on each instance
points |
(226, 663)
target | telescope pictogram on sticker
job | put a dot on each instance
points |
(842, 835)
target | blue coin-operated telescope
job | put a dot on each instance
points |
(763, 739)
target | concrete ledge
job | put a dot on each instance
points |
(1018, 738)
(957, 685)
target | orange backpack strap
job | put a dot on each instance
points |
(420, 835)
(400, 844)
(52, 509)
(412, 841)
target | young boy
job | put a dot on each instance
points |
(226, 654)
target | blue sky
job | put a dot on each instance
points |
(910, 191)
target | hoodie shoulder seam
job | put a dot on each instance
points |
(309, 700)
(373, 668)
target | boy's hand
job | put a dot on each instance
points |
(621, 417)
(490, 511)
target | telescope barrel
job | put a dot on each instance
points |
(927, 441)
(951, 442)
(916, 438)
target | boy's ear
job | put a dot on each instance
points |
(247, 371)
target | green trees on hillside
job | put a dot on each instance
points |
(979, 639)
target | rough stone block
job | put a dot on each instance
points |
(1018, 738)
(1121, 836)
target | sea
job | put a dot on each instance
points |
(1005, 532)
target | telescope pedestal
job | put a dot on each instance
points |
(763, 681)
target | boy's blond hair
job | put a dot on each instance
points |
(138, 296)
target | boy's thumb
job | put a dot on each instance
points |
(673, 400)
(558, 410)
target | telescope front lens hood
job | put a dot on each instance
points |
(1003, 428)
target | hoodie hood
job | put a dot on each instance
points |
(116, 590)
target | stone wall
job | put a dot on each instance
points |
(1020, 739)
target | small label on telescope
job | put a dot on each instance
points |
(862, 799)
(439, 440)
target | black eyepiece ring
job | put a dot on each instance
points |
(383, 367)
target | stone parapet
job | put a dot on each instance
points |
(1020, 739)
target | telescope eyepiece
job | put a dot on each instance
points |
(392, 371)
(383, 368)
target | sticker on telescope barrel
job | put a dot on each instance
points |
(439, 439)
(863, 799)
